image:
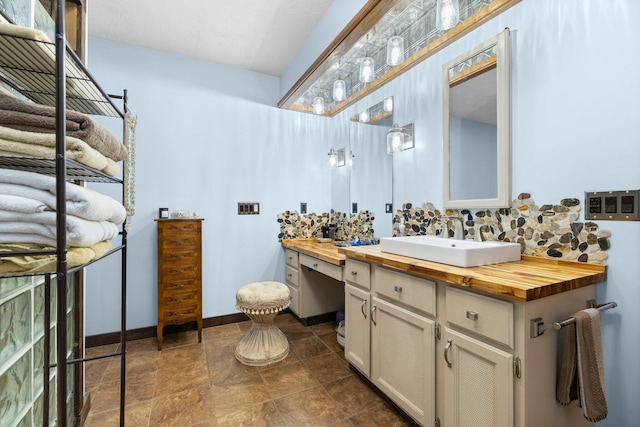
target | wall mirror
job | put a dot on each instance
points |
(477, 126)
(371, 166)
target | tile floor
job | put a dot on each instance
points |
(192, 384)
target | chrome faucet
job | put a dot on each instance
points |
(458, 227)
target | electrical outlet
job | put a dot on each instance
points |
(388, 208)
(303, 207)
(354, 207)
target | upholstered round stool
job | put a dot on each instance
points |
(264, 343)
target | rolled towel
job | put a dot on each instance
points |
(582, 371)
(28, 116)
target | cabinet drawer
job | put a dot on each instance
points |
(291, 258)
(180, 240)
(291, 275)
(181, 256)
(179, 284)
(358, 273)
(180, 314)
(179, 227)
(410, 290)
(331, 270)
(489, 317)
(178, 270)
(173, 299)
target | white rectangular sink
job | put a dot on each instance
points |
(461, 253)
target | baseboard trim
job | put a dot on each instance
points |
(151, 331)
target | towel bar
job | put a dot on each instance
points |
(538, 327)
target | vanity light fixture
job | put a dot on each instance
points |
(388, 104)
(399, 138)
(362, 45)
(333, 157)
(367, 69)
(337, 157)
(318, 105)
(395, 51)
(447, 14)
(339, 90)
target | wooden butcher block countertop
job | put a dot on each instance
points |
(325, 251)
(525, 280)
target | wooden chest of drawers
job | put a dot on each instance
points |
(179, 273)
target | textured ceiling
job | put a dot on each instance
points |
(256, 35)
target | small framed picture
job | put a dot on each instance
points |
(163, 213)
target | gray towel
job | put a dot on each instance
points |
(27, 116)
(582, 372)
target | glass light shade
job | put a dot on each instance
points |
(447, 14)
(395, 51)
(339, 90)
(367, 69)
(333, 157)
(388, 104)
(318, 105)
(364, 117)
(395, 139)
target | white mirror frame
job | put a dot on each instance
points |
(503, 53)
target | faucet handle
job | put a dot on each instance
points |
(479, 235)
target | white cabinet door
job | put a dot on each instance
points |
(357, 332)
(478, 383)
(403, 359)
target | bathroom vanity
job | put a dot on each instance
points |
(456, 346)
(313, 273)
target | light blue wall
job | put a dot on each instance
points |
(472, 167)
(208, 136)
(576, 104)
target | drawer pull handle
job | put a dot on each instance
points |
(289, 275)
(472, 315)
(373, 319)
(446, 353)
(362, 308)
(315, 265)
(354, 273)
(397, 288)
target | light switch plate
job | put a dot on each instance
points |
(621, 205)
(248, 208)
(303, 207)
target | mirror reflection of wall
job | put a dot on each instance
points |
(371, 172)
(472, 137)
(340, 175)
(477, 126)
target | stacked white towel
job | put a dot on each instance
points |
(28, 211)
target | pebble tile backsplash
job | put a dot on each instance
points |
(550, 231)
(296, 226)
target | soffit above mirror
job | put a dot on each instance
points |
(367, 35)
